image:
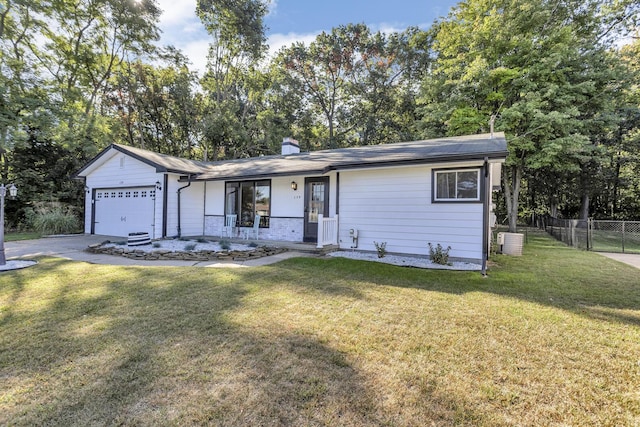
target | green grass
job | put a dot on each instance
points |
(550, 338)
(28, 235)
(609, 241)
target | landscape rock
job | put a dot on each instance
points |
(203, 255)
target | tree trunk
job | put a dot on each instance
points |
(584, 206)
(584, 198)
(512, 193)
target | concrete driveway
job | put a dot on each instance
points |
(631, 259)
(73, 247)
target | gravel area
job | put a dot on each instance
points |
(176, 245)
(16, 265)
(406, 261)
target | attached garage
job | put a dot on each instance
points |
(120, 211)
(130, 190)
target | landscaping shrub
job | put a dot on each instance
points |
(189, 247)
(381, 248)
(54, 218)
(439, 255)
(225, 244)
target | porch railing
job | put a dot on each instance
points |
(327, 231)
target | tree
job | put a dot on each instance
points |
(156, 106)
(357, 85)
(237, 29)
(540, 69)
(56, 59)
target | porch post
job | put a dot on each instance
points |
(320, 231)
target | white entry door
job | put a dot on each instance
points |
(120, 211)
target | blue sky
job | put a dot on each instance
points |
(300, 20)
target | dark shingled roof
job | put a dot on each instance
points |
(162, 162)
(458, 148)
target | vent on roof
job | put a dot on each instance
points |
(290, 146)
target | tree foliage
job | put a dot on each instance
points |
(544, 71)
(77, 75)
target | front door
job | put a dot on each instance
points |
(316, 202)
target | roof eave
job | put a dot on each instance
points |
(497, 155)
(256, 176)
(408, 162)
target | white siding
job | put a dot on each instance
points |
(191, 207)
(394, 205)
(121, 171)
(214, 198)
(285, 202)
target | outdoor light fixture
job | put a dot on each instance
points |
(87, 189)
(294, 185)
(158, 187)
(13, 192)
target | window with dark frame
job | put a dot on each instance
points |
(248, 199)
(457, 185)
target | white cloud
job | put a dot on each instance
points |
(197, 52)
(182, 28)
(176, 12)
(278, 41)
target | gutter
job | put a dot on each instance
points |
(179, 194)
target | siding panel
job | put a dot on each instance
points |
(394, 205)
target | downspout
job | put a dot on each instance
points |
(179, 194)
(165, 202)
(485, 217)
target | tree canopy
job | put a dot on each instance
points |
(559, 77)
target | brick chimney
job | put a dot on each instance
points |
(290, 146)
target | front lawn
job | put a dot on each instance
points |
(23, 235)
(550, 338)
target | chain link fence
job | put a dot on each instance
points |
(615, 236)
(596, 235)
(573, 232)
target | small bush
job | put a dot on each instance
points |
(189, 247)
(156, 245)
(55, 218)
(439, 255)
(202, 240)
(120, 243)
(253, 245)
(381, 248)
(225, 244)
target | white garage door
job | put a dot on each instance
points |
(120, 211)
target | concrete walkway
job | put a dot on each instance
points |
(73, 248)
(631, 259)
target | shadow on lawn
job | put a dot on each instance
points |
(151, 349)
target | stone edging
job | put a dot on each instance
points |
(163, 254)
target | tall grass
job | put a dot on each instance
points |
(55, 218)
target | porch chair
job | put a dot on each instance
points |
(229, 228)
(253, 230)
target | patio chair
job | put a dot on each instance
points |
(253, 231)
(229, 228)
